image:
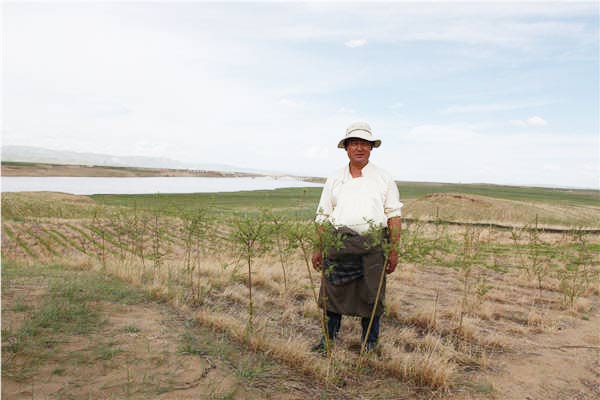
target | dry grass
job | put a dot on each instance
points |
(461, 207)
(423, 341)
(430, 368)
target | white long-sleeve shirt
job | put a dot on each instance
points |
(355, 202)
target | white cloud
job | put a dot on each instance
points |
(317, 152)
(396, 106)
(356, 43)
(497, 32)
(345, 110)
(534, 122)
(492, 107)
(441, 134)
(551, 167)
(290, 103)
(477, 23)
(454, 153)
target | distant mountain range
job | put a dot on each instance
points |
(48, 156)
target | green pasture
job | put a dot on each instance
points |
(292, 202)
(303, 201)
(586, 197)
(23, 164)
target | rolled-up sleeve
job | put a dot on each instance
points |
(325, 207)
(392, 206)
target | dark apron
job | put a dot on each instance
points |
(357, 296)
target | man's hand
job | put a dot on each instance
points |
(392, 262)
(317, 260)
(395, 227)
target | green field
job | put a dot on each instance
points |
(504, 205)
(303, 201)
(410, 190)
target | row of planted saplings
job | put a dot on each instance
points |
(570, 260)
(151, 238)
(249, 236)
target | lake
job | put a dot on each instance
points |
(142, 185)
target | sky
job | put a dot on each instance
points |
(504, 93)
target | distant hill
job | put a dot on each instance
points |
(48, 156)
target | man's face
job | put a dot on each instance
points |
(358, 150)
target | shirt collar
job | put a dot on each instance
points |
(365, 171)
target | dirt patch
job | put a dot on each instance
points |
(141, 351)
(536, 348)
(561, 365)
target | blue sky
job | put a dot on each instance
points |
(501, 92)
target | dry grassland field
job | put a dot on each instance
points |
(211, 296)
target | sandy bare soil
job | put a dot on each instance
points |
(142, 351)
(152, 350)
(561, 365)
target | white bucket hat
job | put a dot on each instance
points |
(360, 130)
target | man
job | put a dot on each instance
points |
(357, 198)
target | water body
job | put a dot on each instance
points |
(139, 185)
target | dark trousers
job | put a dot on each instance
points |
(334, 321)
